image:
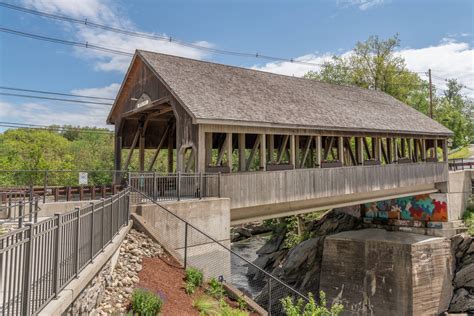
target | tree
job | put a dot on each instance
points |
(375, 64)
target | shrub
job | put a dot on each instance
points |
(226, 310)
(206, 306)
(215, 288)
(146, 303)
(311, 308)
(193, 280)
(242, 303)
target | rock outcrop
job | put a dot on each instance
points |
(300, 266)
(462, 301)
(242, 232)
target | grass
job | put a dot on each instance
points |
(469, 218)
(462, 153)
(193, 280)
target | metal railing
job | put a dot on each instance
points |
(215, 259)
(38, 260)
(175, 186)
(66, 185)
(16, 211)
(461, 164)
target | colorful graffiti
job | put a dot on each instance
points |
(426, 207)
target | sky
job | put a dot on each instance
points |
(436, 35)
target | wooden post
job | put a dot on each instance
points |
(445, 150)
(263, 152)
(389, 150)
(118, 157)
(409, 147)
(318, 150)
(423, 149)
(242, 162)
(403, 146)
(170, 152)
(282, 149)
(292, 151)
(378, 143)
(359, 150)
(229, 150)
(306, 151)
(141, 153)
(395, 150)
(297, 151)
(340, 149)
(208, 149)
(435, 149)
(271, 147)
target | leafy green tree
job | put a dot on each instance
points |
(374, 64)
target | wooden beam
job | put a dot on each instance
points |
(435, 148)
(157, 151)
(389, 149)
(403, 147)
(306, 151)
(340, 149)
(252, 153)
(349, 151)
(141, 153)
(328, 146)
(229, 150)
(292, 151)
(297, 151)
(190, 162)
(409, 147)
(367, 149)
(132, 148)
(271, 147)
(359, 151)
(263, 152)
(242, 164)
(282, 148)
(208, 149)
(317, 140)
(170, 149)
(423, 149)
(395, 150)
(384, 151)
(222, 151)
(445, 150)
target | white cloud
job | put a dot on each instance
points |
(46, 114)
(105, 12)
(448, 59)
(109, 91)
(361, 4)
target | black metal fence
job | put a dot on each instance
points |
(175, 186)
(215, 259)
(461, 164)
(38, 260)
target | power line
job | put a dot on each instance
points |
(53, 128)
(169, 39)
(50, 98)
(56, 93)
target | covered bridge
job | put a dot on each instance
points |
(281, 144)
(219, 118)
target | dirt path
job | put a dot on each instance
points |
(166, 279)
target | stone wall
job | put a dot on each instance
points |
(111, 289)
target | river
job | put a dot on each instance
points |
(246, 248)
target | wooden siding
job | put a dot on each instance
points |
(251, 189)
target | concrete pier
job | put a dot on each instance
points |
(376, 272)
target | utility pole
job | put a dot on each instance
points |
(431, 94)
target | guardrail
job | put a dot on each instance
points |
(198, 249)
(461, 164)
(38, 260)
(17, 211)
(175, 186)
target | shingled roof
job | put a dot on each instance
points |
(215, 92)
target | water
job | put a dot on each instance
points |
(246, 248)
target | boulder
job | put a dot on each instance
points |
(465, 277)
(462, 302)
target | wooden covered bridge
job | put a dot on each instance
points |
(281, 143)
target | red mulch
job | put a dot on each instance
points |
(164, 277)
